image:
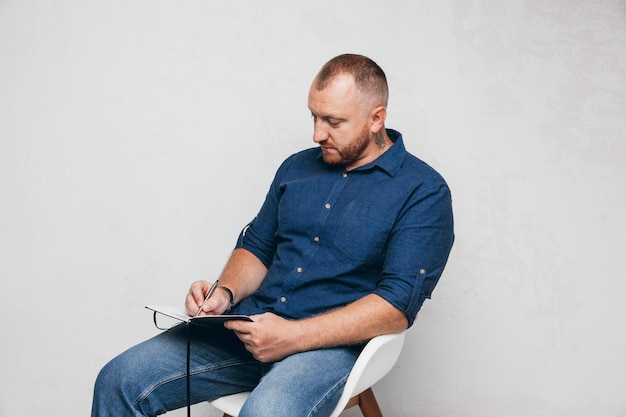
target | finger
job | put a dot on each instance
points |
(191, 306)
(238, 326)
(211, 306)
(195, 296)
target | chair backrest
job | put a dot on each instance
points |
(376, 359)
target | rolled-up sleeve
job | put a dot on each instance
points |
(259, 236)
(417, 250)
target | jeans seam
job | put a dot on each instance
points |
(327, 394)
(175, 376)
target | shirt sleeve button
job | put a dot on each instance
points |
(283, 299)
(316, 239)
(299, 269)
(327, 205)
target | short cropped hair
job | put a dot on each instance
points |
(369, 78)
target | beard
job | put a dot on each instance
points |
(349, 153)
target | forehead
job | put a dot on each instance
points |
(339, 96)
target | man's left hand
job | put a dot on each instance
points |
(268, 337)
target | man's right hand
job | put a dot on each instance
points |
(216, 304)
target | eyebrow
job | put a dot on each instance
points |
(328, 117)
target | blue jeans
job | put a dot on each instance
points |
(150, 378)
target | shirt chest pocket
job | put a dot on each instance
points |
(362, 233)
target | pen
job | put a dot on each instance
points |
(213, 287)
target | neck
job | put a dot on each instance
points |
(382, 141)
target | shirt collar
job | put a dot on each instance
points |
(391, 160)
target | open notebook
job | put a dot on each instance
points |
(178, 313)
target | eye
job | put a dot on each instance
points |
(334, 123)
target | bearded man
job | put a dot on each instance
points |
(351, 239)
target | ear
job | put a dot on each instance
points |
(377, 118)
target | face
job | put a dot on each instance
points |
(342, 125)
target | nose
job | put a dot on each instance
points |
(319, 133)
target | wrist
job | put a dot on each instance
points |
(231, 297)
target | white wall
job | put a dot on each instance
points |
(137, 137)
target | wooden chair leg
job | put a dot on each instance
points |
(352, 402)
(368, 405)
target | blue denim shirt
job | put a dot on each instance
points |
(329, 237)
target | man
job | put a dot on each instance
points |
(351, 239)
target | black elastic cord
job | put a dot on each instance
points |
(188, 328)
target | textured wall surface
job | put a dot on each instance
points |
(138, 137)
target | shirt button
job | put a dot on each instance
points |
(422, 271)
(299, 269)
(316, 239)
(327, 206)
(283, 299)
(345, 174)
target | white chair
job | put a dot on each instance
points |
(377, 358)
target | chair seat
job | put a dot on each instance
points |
(231, 404)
